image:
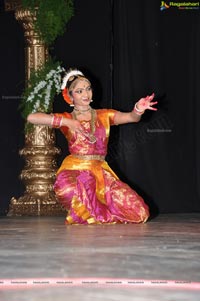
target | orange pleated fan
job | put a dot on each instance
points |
(66, 96)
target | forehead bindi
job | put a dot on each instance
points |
(82, 84)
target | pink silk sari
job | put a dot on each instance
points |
(87, 187)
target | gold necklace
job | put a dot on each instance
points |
(92, 138)
(82, 111)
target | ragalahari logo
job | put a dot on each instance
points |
(180, 5)
(164, 5)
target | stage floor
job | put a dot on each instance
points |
(42, 259)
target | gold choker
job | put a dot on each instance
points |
(82, 111)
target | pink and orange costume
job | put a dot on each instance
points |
(87, 187)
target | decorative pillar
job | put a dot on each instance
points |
(39, 152)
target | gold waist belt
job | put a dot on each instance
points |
(89, 157)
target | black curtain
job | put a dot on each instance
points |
(158, 51)
(12, 76)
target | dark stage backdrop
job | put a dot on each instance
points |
(11, 123)
(129, 49)
(158, 51)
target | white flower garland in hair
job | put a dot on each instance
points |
(68, 75)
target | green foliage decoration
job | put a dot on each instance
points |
(51, 17)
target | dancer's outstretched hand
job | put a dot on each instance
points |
(147, 103)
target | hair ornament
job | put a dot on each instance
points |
(66, 97)
(67, 76)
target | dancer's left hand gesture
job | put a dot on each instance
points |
(146, 103)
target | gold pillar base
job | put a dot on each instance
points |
(38, 175)
(32, 205)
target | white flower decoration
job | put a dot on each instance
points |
(68, 75)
